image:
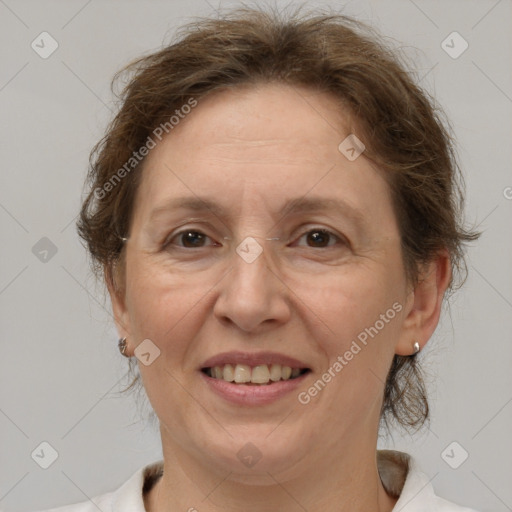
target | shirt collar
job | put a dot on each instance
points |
(402, 479)
(129, 497)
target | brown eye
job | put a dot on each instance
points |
(188, 239)
(319, 238)
(192, 238)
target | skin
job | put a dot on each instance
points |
(251, 149)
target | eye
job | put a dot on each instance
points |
(191, 238)
(320, 238)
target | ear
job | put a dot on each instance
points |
(423, 307)
(117, 298)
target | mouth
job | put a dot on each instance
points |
(253, 379)
(259, 375)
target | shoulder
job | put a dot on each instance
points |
(402, 478)
(129, 496)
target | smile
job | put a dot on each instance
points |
(262, 374)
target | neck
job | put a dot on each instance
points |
(332, 483)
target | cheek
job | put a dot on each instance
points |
(350, 300)
(164, 308)
(362, 314)
(158, 304)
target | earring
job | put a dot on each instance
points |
(416, 347)
(122, 346)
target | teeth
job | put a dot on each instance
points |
(242, 373)
(260, 374)
(286, 372)
(228, 373)
(275, 372)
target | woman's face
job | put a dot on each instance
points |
(251, 280)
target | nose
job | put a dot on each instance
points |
(253, 295)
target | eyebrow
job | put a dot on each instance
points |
(296, 205)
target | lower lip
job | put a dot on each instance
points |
(252, 394)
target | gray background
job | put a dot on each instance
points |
(60, 371)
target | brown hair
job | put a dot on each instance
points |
(399, 124)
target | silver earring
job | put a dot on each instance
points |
(122, 346)
(416, 347)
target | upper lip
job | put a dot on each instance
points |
(252, 359)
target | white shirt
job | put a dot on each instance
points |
(398, 471)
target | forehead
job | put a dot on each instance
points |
(262, 119)
(270, 141)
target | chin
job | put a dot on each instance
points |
(254, 452)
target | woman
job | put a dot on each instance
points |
(275, 213)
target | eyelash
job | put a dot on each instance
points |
(324, 231)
